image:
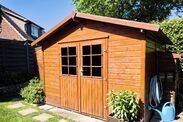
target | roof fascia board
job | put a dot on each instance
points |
(7, 11)
(122, 22)
(55, 28)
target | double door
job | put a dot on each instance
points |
(82, 76)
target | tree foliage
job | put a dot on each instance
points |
(139, 10)
(174, 30)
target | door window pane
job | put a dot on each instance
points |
(64, 70)
(86, 50)
(64, 61)
(96, 60)
(72, 60)
(86, 60)
(96, 49)
(86, 71)
(72, 50)
(96, 71)
(72, 70)
(64, 51)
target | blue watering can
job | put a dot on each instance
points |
(168, 112)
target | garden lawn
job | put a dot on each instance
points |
(12, 115)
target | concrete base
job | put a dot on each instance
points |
(72, 115)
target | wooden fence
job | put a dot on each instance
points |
(16, 56)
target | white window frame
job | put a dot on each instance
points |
(34, 30)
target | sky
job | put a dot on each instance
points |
(46, 13)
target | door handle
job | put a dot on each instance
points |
(83, 70)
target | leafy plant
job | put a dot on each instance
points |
(124, 105)
(174, 30)
(33, 93)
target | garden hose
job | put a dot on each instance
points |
(155, 92)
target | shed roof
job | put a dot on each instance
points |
(122, 22)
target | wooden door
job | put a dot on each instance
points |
(69, 76)
(91, 76)
(83, 70)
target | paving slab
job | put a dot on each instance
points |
(63, 120)
(75, 116)
(45, 107)
(17, 105)
(27, 111)
(43, 117)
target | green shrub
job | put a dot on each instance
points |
(174, 30)
(124, 105)
(33, 93)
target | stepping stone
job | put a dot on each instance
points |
(62, 120)
(17, 105)
(42, 117)
(27, 111)
(46, 107)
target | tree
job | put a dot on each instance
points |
(174, 30)
(139, 10)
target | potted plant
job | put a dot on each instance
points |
(124, 105)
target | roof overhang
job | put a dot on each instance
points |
(76, 15)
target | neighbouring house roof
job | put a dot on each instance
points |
(122, 22)
(12, 13)
(21, 32)
(7, 14)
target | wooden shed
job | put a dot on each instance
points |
(85, 56)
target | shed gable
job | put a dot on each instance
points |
(125, 50)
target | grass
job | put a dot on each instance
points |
(12, 115)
